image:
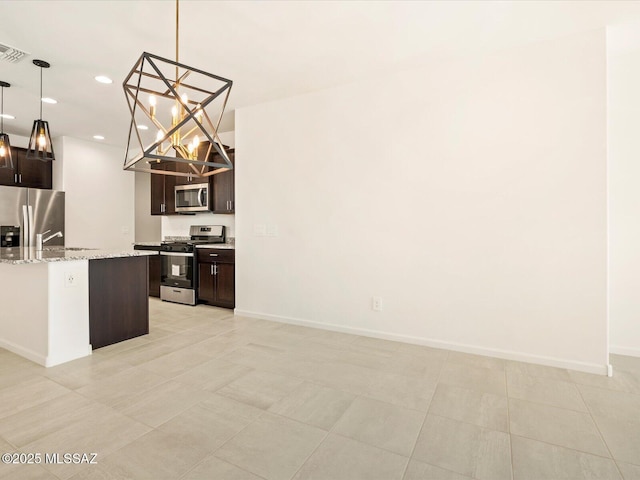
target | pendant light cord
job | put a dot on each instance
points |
(40, 93)
(2, 111)
(177, 37)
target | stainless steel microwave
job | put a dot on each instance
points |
(192, 198)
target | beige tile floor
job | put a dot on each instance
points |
(207, 395)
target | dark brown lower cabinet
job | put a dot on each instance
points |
(118, 299)
(217, 277)
(155, 274)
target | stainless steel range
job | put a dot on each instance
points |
(179, 281)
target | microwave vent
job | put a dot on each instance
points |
(11, 54)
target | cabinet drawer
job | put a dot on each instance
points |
(211, 255)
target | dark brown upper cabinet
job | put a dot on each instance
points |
(222, 186)
(26, 172)
(163, 197)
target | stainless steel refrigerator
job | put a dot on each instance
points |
(34, 211)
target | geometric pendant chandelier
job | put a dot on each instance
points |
(5, 144)
(40, 145)
(176, 111)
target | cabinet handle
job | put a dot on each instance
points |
(213, 254)
(215, 269)
(212, 269)
(15, 178)
(20, 178)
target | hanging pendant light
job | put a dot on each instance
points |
(5, 145)
(180, 101)
(40, 146)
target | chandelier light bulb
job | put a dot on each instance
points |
(152, 106)
(42, 141)
(185, 103)
(3, 151)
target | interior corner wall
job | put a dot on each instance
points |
(148, 228)
(100, 196)
(470, 197)
(624, 194)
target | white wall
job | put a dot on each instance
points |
(148, 228)
(100, 200)
(178, 225)
(470, 197)
(42, 319)
(24, 327)
(624, 191)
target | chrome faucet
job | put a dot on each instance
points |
(41, 241)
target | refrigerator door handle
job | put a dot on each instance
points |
(25, 226)
(30, 213)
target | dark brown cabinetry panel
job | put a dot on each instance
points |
(155, 274)
(185, 168)
(222, 186)
(118, 300)
(26, 172)
(163, 199)
(225, 284)
(206, 283)
(216, 275)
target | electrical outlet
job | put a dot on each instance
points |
(272, 230)
(376, 304)
(70, 279)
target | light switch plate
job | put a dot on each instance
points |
(259, 229)
(272, 230)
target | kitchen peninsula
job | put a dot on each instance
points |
(60, 303)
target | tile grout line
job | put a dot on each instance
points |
(210, 455)
(213, 452)
(564, 447)
(506, 385)
(604, 441)
(413, 450)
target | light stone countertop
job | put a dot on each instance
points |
(148, 244)
(225, 246)
(20, 255)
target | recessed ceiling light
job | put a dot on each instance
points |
(103, 79)
(98, 137)
(143, 127)
(49, 100)
(7, 116)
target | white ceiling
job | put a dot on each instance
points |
(269, 49)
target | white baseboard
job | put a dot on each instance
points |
(24, 352)
(631, 352)
(53, 360)
(458, 347)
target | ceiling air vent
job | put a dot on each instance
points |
(10, 54)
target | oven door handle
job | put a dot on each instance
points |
(176, 254)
